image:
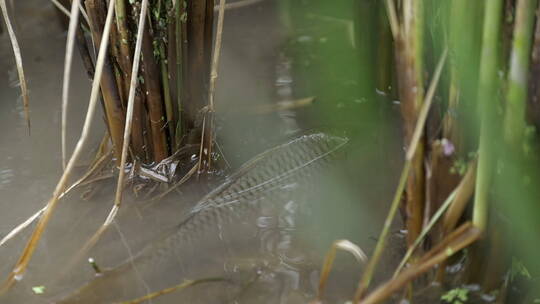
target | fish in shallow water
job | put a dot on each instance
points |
(222, 220)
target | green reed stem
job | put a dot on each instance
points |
(516, 96)
(487, 88)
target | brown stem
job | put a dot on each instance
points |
(109, 90)
(196, 65)
(118, 74)
(181, 66)
(208, 34)
(137, 131)
(169, 110)
(149, 145)
(124, 62)
(154, 104)
(453, 214)
(172, 76)
(410, 89)
(466, 189)
(440, 183)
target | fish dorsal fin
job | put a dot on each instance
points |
(274, 167)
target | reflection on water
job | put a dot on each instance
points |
(6, 175)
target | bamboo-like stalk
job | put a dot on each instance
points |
(26, 255)
(127, 134)
(207, 138)
(209, 56)
(409, 73)
(117, 70)
(412, 94)
(70, 45)
(487, 88)
(216, 55)
(208, 36)
(516, 97)
(180, 53)
(109, 90)
(131, 98)
(171, 120)
(196, 96)
(124, 61)
(368, 273)
(18, 63)
(171, 61)
(154, 100)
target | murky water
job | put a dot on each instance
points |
(347, 202)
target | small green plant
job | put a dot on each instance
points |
(459, 167)
(456, 296)
(38, 289)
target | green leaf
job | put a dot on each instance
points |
(38, 289)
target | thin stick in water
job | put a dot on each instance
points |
(207, 134)
(18, 63)
(168, 290)
(70, 44)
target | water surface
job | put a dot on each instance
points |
(349, 201)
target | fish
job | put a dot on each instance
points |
(225, 216)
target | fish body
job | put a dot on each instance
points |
(224, 218)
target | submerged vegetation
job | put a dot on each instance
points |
(463, 74)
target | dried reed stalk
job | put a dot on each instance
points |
(18, 63)
(154, 101)
(70, 44)
(109, 89)
(25, 257)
